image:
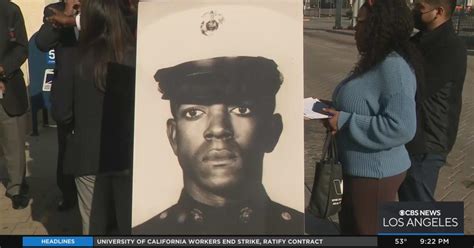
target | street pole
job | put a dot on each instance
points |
(319, 8)
(338, 14)
(461, 15)
(355, 11)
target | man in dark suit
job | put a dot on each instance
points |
(223, 124)
(13, 99)
(63, 39)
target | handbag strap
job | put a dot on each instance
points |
(326, 146)
(330, 148)
(333, 149)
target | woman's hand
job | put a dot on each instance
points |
(331, 122)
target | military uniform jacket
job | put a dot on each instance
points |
(13, 53)
(258, 216)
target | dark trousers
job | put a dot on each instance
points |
(361, 200)
(65, 182)
(111, 212)
(422, 177)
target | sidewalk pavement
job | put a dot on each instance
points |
(41, 216)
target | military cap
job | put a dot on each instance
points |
(220, 79)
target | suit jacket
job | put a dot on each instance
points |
(87, 105)
(64, 43)
(13, 53)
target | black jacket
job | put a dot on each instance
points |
(116, 144)
(83, 155)
(64, 43)
(13, 53)
(444, 63)
(83, 111)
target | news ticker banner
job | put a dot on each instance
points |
(230, 241)
(238, 241)
(421, 218)
(217, 241)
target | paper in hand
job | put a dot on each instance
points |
(308, 109)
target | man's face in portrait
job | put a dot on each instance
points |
(220, 146)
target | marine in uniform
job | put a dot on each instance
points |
(223, 124)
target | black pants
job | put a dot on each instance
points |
(65, 182)
(422, 177)
(111, 212)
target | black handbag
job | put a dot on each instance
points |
(326, 195)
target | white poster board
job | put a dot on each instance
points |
(174, 32)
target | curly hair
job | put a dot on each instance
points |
(389, 25)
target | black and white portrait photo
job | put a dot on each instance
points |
(218, 145)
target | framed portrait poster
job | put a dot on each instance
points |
(218, 145)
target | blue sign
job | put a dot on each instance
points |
(51, 57)
(51, 241)
(41, 71)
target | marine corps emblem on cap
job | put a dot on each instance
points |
(211, 22)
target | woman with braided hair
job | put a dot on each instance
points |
(374, 113)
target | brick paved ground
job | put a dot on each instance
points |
(40, 217)
(328, 58)
(329, 55)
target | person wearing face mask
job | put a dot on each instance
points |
(439, 108)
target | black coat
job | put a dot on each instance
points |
(438, 111)
(84, 112)
(116, 145)
(13, 53)
(64, 43)
(83, 156)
